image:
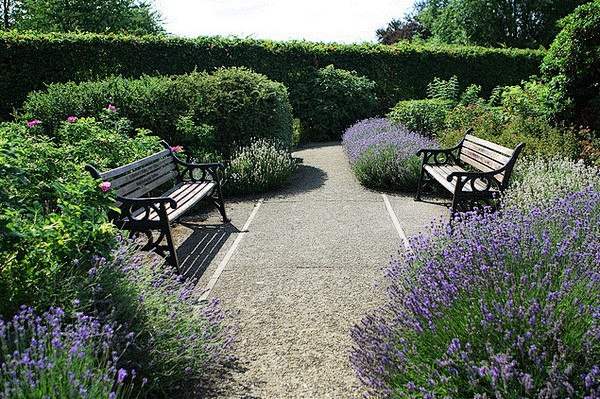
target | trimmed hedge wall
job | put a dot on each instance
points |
(28, 61)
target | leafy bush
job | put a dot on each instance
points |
(422, 116)
(400, 71)
(501, 127)
(441, 89)
(538, 180)
(330, 101)
(261, 166)
(46, 357)
(243, 105)
(176, 340)
(56, 211)
(238, 104)
(571, 64)
(383, 154)
(493, 305)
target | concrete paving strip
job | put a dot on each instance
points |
(396, 222)
(215, 277)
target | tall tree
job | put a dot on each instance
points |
(406, 28)
(7, 10)
(512, 23)
(100, 16)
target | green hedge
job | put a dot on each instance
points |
(239, 105)
(402, 71)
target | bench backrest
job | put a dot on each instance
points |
(138, 178)
(485, 155)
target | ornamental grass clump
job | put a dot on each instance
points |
(502, 305)
(263, 165)
(383, 154)
(176, 340)
(540, 179)
(47, 357)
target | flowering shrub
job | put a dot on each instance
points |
(383, 154)
(176, 339)
(45, 357)
(55, 209)
(537, 180)
(262, 166)
(494, 305)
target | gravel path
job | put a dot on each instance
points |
(309, 267)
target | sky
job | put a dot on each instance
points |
(341, 21)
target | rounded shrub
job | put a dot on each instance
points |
(422, 116)
(498, 305)
(237, 104)
(330, 101)
(243, 105)
(263, 165)
(382, 154)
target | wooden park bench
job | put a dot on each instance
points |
(187, 184)
(491, 165)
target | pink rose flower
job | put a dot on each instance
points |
(72, 119)
(112, 108)
(105, 186)
(33, 123)
(176, 148)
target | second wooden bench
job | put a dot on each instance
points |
(492, 166)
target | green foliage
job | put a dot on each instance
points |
(422, 116)
(57, 211)
(243, 105)
(471, 95)
(238, 104)
(259, 167)
(400, 71)
(443, 89)
(519, 23)
(330, 101)
(571, 64)
(505, 128)
(100, 16)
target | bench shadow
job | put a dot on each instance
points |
(305, 178)
(200, 248)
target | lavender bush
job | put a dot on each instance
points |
(176, 339)
(45, 357)
(537, 180)
(263, 165)
(382, 154)
(503, 305)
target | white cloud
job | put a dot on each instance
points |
(315, 20)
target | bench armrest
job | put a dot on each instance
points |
(477, 181)
(439, 156)
(131, 207)
(208, 169)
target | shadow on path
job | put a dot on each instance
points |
(305, 178)
(201, 247)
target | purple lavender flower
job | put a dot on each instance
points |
(491, 305)
(383, 154)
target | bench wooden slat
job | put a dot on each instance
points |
(496, 156)
(134, 165)
(121, 181)
(152, 185)
(489, 144)
(440, 174)
(479, 161)
(186, 195)
(143, 181)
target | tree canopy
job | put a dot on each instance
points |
(511, 23)
(99, 16)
